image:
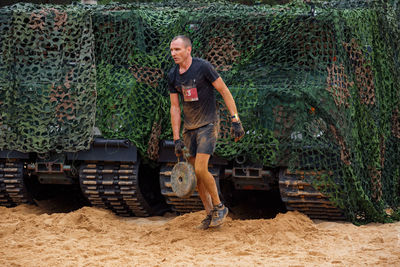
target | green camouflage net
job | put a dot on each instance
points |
(131, 69)
(316, 85)
(47, 86)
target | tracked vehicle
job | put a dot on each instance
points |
(84, 102)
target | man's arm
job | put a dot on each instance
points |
(237, 128)
(221, 87)
(175, 115)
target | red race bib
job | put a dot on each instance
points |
(190, 94)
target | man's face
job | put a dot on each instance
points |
(179, 51)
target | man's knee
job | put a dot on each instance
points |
(200, 173)
(201, 165)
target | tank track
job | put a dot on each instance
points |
(300, 195)
(181, 205)
(12, 187)
(114, 186)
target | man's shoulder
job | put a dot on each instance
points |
(200, 61)
(203, 65)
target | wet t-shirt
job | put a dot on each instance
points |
(196, 91)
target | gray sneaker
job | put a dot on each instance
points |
(205, 224)
(218, 215)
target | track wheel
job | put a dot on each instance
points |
(298, 194)
(12, 186)
(114, 186)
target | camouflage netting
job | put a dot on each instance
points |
(47, 82)
(316, 85)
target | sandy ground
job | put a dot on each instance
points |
(94, 237)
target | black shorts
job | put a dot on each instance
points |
(201, 140)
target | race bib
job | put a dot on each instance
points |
(190, 94)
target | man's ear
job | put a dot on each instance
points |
(189, 49)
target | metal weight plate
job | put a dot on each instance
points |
(183, 179)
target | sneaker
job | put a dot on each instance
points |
(218, 215)
(205, 224)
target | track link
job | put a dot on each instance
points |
(181, 205)
(114, 186)
(300, 195)
(12, 187)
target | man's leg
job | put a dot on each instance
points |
(204, 195)
(204, 176)
(205, 181)
(204, 144)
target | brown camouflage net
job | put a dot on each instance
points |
(147, 75)
(363, 72)
(339, 85)
(222, 53)
(154, 141)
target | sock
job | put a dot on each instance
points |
(219, 206)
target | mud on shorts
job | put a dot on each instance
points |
(202, 139)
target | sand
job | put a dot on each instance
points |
(95, 237)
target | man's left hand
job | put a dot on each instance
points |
(237, 130)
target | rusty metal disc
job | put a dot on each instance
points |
(183, 179)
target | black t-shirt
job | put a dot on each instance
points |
(197, 92)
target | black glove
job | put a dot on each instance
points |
(237, 130)
(179, 145)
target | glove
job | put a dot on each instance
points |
(237, 130)
(179, 145)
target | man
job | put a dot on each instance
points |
(194, 79)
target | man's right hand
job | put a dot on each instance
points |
(179, 145)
